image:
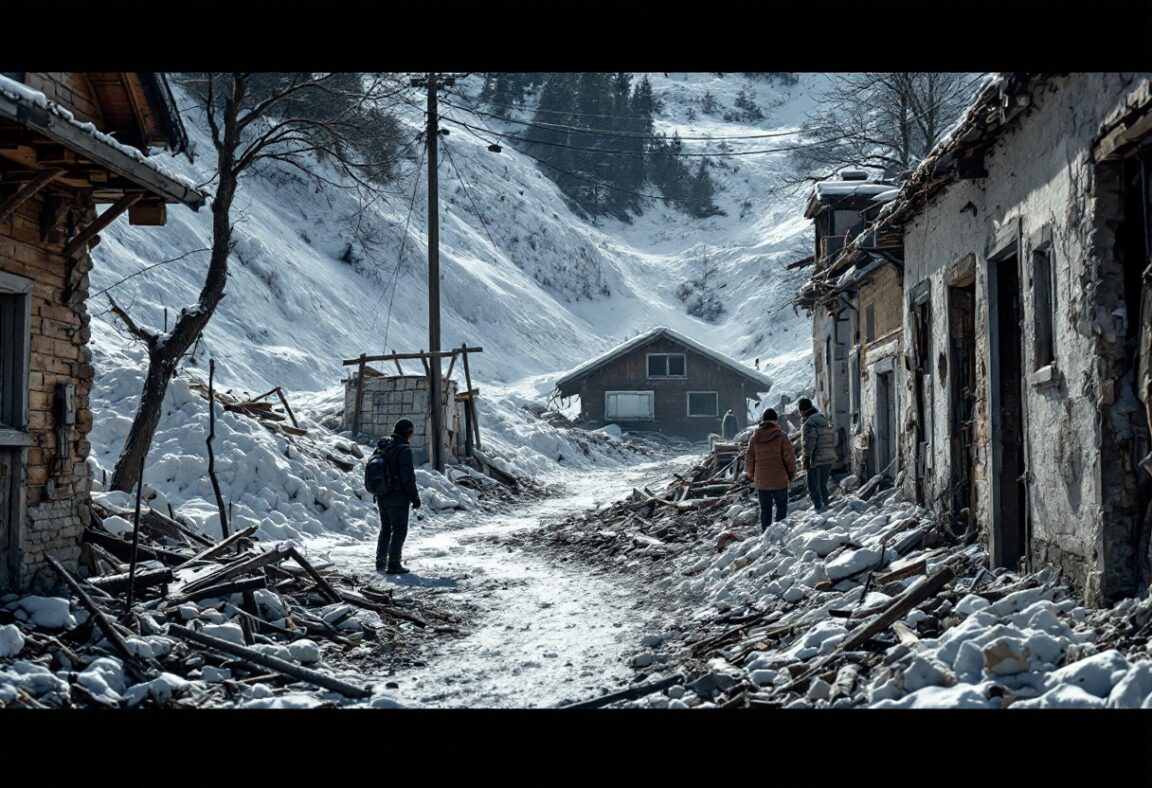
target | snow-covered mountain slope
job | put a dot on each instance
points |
(314, 281)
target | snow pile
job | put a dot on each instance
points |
(770, 613)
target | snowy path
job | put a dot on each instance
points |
(541, 632)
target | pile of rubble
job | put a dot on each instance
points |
(197, 623)
(870, 603)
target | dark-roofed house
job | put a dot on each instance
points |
(662, 381)
(69, 141)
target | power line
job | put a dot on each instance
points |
(548, 126)
(680, 154)
(475, 207)
(400, 256)
(581, 177)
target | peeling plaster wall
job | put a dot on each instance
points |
(1040, 174)
(832, 383)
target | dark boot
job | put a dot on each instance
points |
(397, 569)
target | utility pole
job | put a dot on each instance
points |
(434, 82)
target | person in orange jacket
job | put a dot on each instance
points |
(771, 465)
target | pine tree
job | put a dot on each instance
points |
(701, 191)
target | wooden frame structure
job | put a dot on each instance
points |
(427, 358)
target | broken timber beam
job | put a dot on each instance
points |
(219, 547)
(98, 615)
(284, 667)
(632, 693)
(27, 192)
(325, 586)
(424, 355)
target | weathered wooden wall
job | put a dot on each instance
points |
(670, 395)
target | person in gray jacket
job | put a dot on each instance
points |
(819, 452)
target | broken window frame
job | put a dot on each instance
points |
(15, 347)
(715, 404)
(666, 357)
(1044, 306)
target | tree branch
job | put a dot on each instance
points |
(149, 338)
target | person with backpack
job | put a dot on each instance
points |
(770, 463)
(391, 477)
(819, 452)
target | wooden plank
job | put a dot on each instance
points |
(912, 596)
(123, 550)
(80, 242)
(632, 693)
(114, 584)
(325, 586)
(232, 570)
(221, 590)
(465, 350)
(394, 356)
(355, 599)
(272, 663)
(27, 192)
(287, 407)
(98, 615)
(219, 547)
(451, 365)
(359, 396)
(424, 360)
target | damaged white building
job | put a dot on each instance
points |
(1027, 326)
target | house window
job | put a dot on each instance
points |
(870, 324)
(855, 384)
(629, 405)
(1043, 306)
(666, 365)
(14, 294)
(703, 403)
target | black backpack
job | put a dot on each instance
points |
(380, 475)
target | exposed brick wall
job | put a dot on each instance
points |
(71, 90)
(56, 490)
(389, 399)
(884, 294)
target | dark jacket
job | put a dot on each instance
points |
(770, 461)
(400, 454)
(819, 440)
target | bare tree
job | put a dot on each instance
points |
(879, 121)
(315, 123)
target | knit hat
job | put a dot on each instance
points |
(768, 415)
(403, 427)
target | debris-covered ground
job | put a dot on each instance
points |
(869, 604)
(259, 620)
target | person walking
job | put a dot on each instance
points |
(819, 452)
(400, 493)
(770, 463)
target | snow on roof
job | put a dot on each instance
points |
(844, 188)
(647, 337)
(887, 196)
(22, 94)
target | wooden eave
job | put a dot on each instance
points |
(33, 139)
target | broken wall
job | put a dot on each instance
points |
(1043, 191)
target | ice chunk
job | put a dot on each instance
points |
(11, 641)
(1096, 674)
